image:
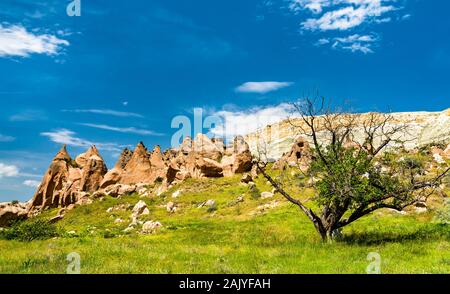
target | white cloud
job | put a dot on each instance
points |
(242, 122)
(354, 43)
(8, 170)
(28, 115)
(105, 112)
(262, 87)
(344, 15)
(15, 40)
(31, 183)
(64, 136)
(322, 41)
(5, 138)
(315, 6)
(349, 16)
(132, 130)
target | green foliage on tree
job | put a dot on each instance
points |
(352, 174)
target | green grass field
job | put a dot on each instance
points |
(235, 238)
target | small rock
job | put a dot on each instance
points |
(170, 207)
(127, 189)
(176, 194)
(56, 218)
(150, 227)
(118, 221)
(246, 178)
(72, 233)
(140, 209)
(210, 203)
(129, 229)
(98, 194)
(421, 209)
(240, 199)
(265, 195)
(109, 210)
(251, 186)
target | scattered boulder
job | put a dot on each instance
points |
(127, 189)
(150, 227)
(56, 218)
(266, 195)
(176, 194)
(246, 178)
(251, 186)
(140, 209)
(128, 230)
(210, 203)
(118, 221)
(171, 207)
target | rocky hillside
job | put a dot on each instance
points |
(423, 128)
(70, 182)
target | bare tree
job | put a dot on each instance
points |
(353, 178)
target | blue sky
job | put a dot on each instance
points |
(122, 70)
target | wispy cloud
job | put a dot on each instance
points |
(105, 112)
(130, 130)
(344, 15)
(8, 170)
(5, 138)
(262, 87)
(28, 115)
(16, 40)
(353, 43)
(355, 13)
(244, 121)
(31, 183)
(64, 136)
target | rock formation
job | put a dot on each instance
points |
(206, 157)
(10, 212)
(68, 182)
(299, 156)
(138, 169)
(113, 176)
(56, 182)
(93, 171)
(423, 128)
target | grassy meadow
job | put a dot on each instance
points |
(233, 237)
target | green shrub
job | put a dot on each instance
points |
(28, 231)
(443, 214)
